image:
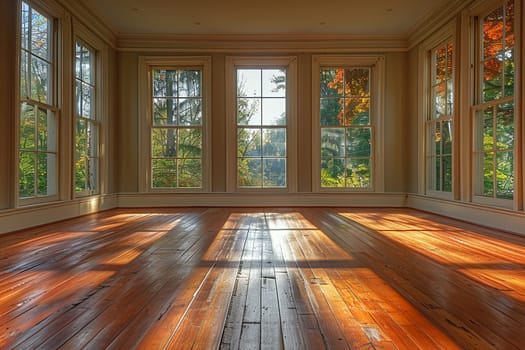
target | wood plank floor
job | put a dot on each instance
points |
(231, 278)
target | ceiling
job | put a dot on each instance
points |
(348, 17)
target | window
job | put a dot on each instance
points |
(262, 115)
(86, 121)
(346, 108)
(38, 125)
(494, 123)
(176, 114)
(440, 118)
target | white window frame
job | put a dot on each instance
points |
(445, 34)
(101, 62)
(376, 64)
(146, 64)
(232, 64)
(52, 11)
(477, 105)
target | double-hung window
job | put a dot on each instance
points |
(494, 110)
(439, 121)
(87, 121)
(38, 124)
(346, 107)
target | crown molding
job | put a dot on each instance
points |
(435, 20)
(83, 15)
(260, 43)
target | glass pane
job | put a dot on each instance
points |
(509, 73)
(505, 126)
(505, 175)
(274, 142)
(493, 33)
(93, 174)
(437, 175)
(488, 130)
(190, 143)
(39, 35)
(358, 173)
(164, 173)
(81, 174)
(357, 111)
(42, 129)
(190, 111)
(492, 82)
(39, 80)
(450, 60)
(249, 172)
(509, 25)
(331, 82)
(26, 174)
(332, 172)
(164, 83)
(92, 136)
(446, 136)
(438, 137)
(248, 111)
(81, 139)
(358, 142)
(440, 65)
(46, 168)
(249, 143)
(190, 173)
(274, 111)
(189, 83)
(24, 26)
(164, 111)
(488, 174)
(78, 97)
(87, 101)
(249, 83)
(447, 173)
(163, 143)
(333, 142)
(440, 99)
(357, 82)
(78, 60)
(27, 127)
(273, 83)
(450, 98)
(331, 111)
(24, 75)
(274, 172)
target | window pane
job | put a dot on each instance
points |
(27, 127)
(332, 172)
(39, 35)
(333, 142)
(505, 126)
(249, 83)
(87, 101)
(190, 111)
(493, 33)
(164, 83)
(274, 142)
(189, 143)
(488, 130)
(331, 112)
(358, 142)
(24, 76)
(81, 174)
(447, 173)
(446, 136)
(164, 111)
(505, 175)
(492, 82)
(440, 100)
(274, 172)
(189, 83)
(509, 73)
(39, 80)
(163, 143)
(488, 174)
(26, 174)
(357, 111)
(249, 172)
(358, 173)
(331, 82)
(274, 111)
(24, 26)
(249, 142)
(190, 173)
(273, 83)
(164, 172)
(46, 163)
(248, 111)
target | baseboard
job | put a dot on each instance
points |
(25, 217)
(126, 200)
(501, 219)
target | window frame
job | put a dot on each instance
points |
(53, 15)
(146, 65)
(478, 106)
(376, 64)
(261, 62)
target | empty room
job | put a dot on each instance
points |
(262, 175)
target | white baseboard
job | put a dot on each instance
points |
(24, 217)
(126, 200)
(501, 219)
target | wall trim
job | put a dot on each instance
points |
(497, 218)
(34, 215)
(130, 200)
(255, 43)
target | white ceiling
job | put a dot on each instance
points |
(352, 17)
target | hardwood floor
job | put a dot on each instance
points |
(299, 278)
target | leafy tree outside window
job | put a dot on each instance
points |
(494, 118)
(37, 151)
(86, 122)
(440, 119)
(177, 128)
(346, 129)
